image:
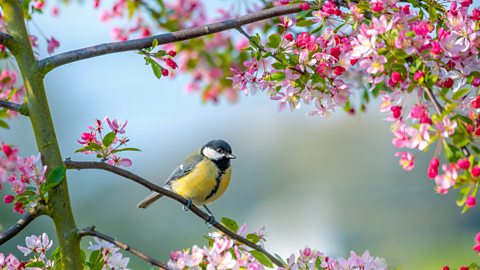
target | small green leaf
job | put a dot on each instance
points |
(278, 76)
(125, 149)
(304, 23)
(108, 139)
(278, 65)
(54, 177)
(154, 43)
(89, 147)
(38, 264)
(4, 124)
(463, 194)
(230, 224)
(460, 93)
(273, 41)
(253, 238)
(262, 258)
(452, 153)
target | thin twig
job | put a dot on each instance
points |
(438, 107)
(33, 212)
(47, 64)
(107, 167)
(20, 108)
(90, 231)
(261, 48)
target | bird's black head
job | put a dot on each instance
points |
(217, 150)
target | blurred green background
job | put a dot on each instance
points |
(332, 184)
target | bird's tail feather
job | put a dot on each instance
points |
(149, 200)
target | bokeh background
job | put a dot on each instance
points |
(332, 184)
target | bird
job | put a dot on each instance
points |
(202, 178)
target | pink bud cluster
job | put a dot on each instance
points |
(9, 89)
(36, 246)
(23, 176)
(311, 259)
(105, 144)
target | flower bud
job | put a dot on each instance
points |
(8, 198)
(471, 201)
(463, 163)
(476, 171)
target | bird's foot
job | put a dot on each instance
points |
(211, 221)
(187, 206)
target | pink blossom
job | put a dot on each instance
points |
(53, 44)
(446, 180)
(401, 138)
(446, 128)
(116, 127)
(406, 160)
(373, 65)
(419, 137)
(117, 161)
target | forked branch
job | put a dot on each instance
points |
(20, 108)
(90, 231)
(107, 167)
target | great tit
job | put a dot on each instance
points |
(202, 178)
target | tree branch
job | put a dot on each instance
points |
(6, 40)
(20, 108)
(32, 214)
(90, 231)
(438, 107)
(107, 167)
(48, 64)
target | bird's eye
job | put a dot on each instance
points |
(220, 150)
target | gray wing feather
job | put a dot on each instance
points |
(183, 169)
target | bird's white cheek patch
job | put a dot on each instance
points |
(211, 153)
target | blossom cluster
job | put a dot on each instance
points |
(222, 252)
(106, 255)
(208, 59)
(106, 145)
(312, 259)
(25, 178)
(36, 246)
(426, 66)
(225, 253)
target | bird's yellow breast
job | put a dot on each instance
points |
(200, 182)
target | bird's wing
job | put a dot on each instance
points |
(185, 168)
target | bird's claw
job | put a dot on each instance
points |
(211, 221)
(188, 205)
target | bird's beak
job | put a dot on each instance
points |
(231, 156)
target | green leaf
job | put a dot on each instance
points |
(154, 43)
(89, 147)
(55, 177)
(452, 153)
(95, 260)
(460, 93)
(38, 264)
(108, 139)
(262, 258)
(463, 194)
(278, 76)
(4, 124)
(273, 41)
(278, 65)
(304, 23)
(125, 149)
(230, 224)
(253, 238)
(460, 139)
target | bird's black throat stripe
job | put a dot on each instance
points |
(222, 166)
